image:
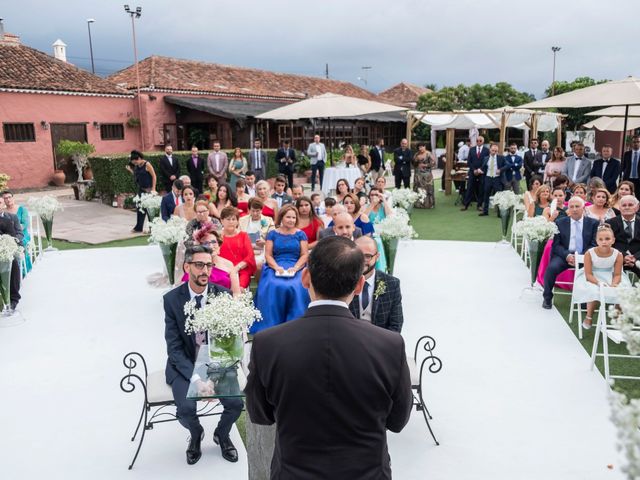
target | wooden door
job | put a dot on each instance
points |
(76, 132)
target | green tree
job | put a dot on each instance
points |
(473, 97)
(575, 116)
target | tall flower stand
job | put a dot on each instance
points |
(390, 250)
(8, 317)
(169, 252)
(47, 223)
(536, 248)
(505, 219)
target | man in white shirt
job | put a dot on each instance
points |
(217, 163)
(250, 183)
(381, 300)
(317, 154)
(463, 150)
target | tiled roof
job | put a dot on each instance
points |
(178, 75)
(25, 68)
(404, 94)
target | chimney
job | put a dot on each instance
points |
(60, 50)
(8, 38)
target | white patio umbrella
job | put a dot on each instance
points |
(625, 92)
(329, 105)
(615, 112)
(613, 124)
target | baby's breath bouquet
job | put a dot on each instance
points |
(404, 198)
(46, 206)
(392, 229)
(536, 231)
(167, 235)
(226, 319)
(148, 203)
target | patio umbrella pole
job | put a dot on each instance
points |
(624, 130)
(330, 141)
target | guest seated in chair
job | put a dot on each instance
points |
(577, 234)
(237, 246)
(257, 227)
(626, 229)
(182, 350)
(171, 200)
(381, 300)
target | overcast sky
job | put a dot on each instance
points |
(418, 41)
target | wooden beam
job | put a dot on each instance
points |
(503, 132)
(559, 133)
(450, 160)
(409, 127)
(534, 125)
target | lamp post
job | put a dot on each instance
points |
(89, 22)
(553, 82)
(365, 74)
(136, 14)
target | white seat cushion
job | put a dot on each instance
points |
(615, 335)
(413, 371)
(157, 389)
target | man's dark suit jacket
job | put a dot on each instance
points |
(474, 161)
(501, 165)
(167, 206)
(333, 385)
(561, 239)
(622, 243)
(611, 173)
(402, 166)
(386, 310)
(328, 232)
(196, 173)
(181, 347)
(10, 225)
(512, 166)
(376, 161)
(166, 171)
(285, 167)
(532, 163)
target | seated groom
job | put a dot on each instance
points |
(331, 412)
(577, 234)
(182, 350)
(626, 228)
(171, 200)
(381, 300)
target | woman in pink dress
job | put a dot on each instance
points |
(554, 167)
(223, 272)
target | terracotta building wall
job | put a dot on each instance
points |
(31, 164)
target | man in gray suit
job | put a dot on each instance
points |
(342, 227)
(317, 154)
(258, 160)
(578, 167)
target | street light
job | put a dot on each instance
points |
(553, 82)
(89, 22)
(136, 14)
(365, 74)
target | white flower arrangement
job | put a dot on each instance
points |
(45, 206)
(148, 201)
(403, 198)
(625, 415)
(536, 229)
(222, 315)
(505, 200)
(170, 232)
(396, 226)
(8, 248)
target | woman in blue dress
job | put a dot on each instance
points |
(377, 210)
(23, 215)
(281, 296)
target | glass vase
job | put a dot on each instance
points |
(5, 285)
(153, 213)
(535, 253)
(169, 257)
(226, 351)
(390, 250)
(505, 220)
(47, 223)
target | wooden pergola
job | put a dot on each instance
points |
(415, 117)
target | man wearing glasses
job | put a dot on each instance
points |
(182, 350)
(475, 176)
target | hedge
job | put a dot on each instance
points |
(112, 178)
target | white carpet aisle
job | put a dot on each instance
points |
(515, 398)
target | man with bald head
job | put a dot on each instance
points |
(626, 228)
(577, 234)
(381, 300)
(342, 225)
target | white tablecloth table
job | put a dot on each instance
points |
(333, 174)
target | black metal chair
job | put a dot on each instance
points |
(157, 397)
(428, 343)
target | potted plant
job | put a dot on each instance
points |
(4, 181)
(133, 122)
(79, 153)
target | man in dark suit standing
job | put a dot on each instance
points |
(171, 200)
(626, 228)
(182, 350)
(607, 168)
(380, 301)
(577, 234)
(631, 164)
(195, 167)
(285, 158)
(258, 160)
(493, 169)
(334, 383)
(169, 168)
(475, 179)
(402, 161)
(377, 160)
(531, 163)
(10, 225)
(512, 167)
(279, 193)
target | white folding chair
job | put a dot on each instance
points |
(575, 306)
(608, 332)
(36, 237)
(516, 240)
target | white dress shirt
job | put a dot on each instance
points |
(576, 168)
(572, 238)
(193, 295)
(170, 158)
(335, 303)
